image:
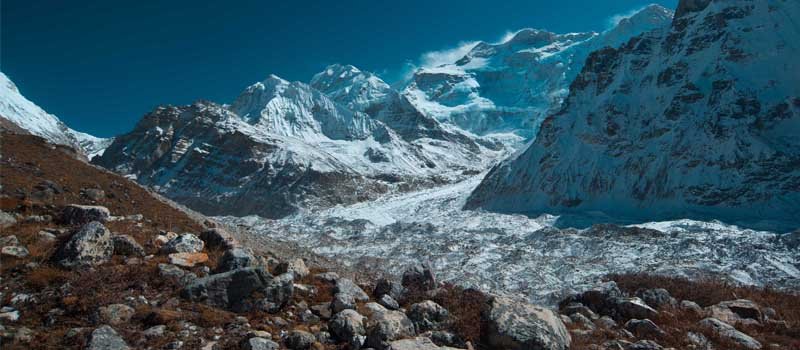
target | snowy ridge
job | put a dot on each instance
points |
(25, 114)
(696, 120)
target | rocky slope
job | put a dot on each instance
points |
(285, 146)
(509, 87)
(19, 113)
(696, 120)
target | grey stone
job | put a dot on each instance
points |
(155, 332)
(116, 314)
(645, 345)
(342, 301)
(427, 315)
(347, 324)
(7, 220)
(417, 343)
(727, 331)
(106, 338)
(127, 246)
(299, 340)
(385, 326)
(258, 343)
(388, 302)
(218, 238)
(185, 243)
(656, 298)
(385, 286)
(10, 240)
(75, 214)
(517, 325)
(176, 273)
(18, 252)
(236, 258)
(347, 286)
(644, 328)
(419, 277)
(628, 308)
(232, 290)
(90, 245)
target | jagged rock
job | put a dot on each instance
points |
(75, 214)
(342, 301)
(645, 345)
(346, 325)
(185, 243)
(385, 326)
(278, 293)
(127, 246)
(385, 286)
(15, 251)
(644, 328)
(417, 343)
(347, 286)
(655, 297)
(329, 277)
(218, 238)
(322, 310)
(691, 306)
(573, 308)
(518, 325)
(187, 259)
(743, 308)
(419, 277)
(11, 240)
(295, 266)
(174, 272)
(299, 340)
(90, 245)
(236, 258)
(388, 302)
(305, 290)
(257, 343)
(116, 314)
(232, 290)
(427, 315)
(601, 298)
(727, 331)
(106, 338)
(628, 308)
(7, 220)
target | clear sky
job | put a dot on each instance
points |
(101, 65)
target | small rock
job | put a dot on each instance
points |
(18, 252)
(515, 324)
(75, 214)
(347, 286)
(582, 320)
(94, 194)
(329, 277)
(744, 309)
(9, 315)
(645, 345)
(386, 286)
(106, 338)
(322, 310)
(427, 315)
(347, 324)
(174, 272)
(644, 328)
(692, 307)
(305, 290)
(90, 245)
(259, 343)
(187, 259)
(418, 343)
(299, 340)
(116, 314)
(218, 238)
(601, 298)
(727, 331)
(23, 335)
(573, 308)
(388, 302)
(605, 322)
(656, 298)
(236, 258)
(385, 326)
(11, 240)
(295, 266)
(628, 308)
(419, 277)
(7, 220)
(341, 302)
(185, 243)
(155, 331)
(45, 236)
(698, 340)
(126, 245)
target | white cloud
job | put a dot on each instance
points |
(450, 55)
(615, 19)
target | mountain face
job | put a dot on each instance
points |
(21, 115)
(698, 120)
(510, 87)
(281, 147)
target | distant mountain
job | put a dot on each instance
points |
(19, 113)
(285, 146)
(697, 120)
(510, 87)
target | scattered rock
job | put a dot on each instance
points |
(727, 331)
(258, 343)
(573, 308)
(299, 340)
(236, 258)
(346, 325)
(743, 308)
(155, 332)
(656, 298)
(419, 277)
(187, 259)
(427, 315)
(628, 308)
(342, 301)
(18, 252)
(231, 290)
(90, 245)
(45, 236)
(347, 286)
(174, 272)
(75, 214)
(602, 298)
(388, 302)
(582, 320)
(277, 293)
(605, 322)
(418, 343)
(185, 243)
(106, 338)
(385, 286)
(322, 310)
(691, 306)
(295, 266)
(644, 328)
(116, 314)
(126, 245)
(518, 325)
(329, 277)
(9, 315)
(385, 326)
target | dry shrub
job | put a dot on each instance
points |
(47, 275)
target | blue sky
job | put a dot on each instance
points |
(101, 65)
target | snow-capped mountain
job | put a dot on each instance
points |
(509, 87)
(698, 120)
(30, 118)
(284, 146)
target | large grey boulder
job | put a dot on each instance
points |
(346, 325)
(127, 246)
(517, 325)
(419, 277)
(277, 293)
(90, 245)
(106, 338)
(727, 331)
(602, 298)
(75, 214)
(299, 340)
(347, 286)
(427, 316)
(385, 286)
(628, 308)
(185, 243)
(236, 258)
(385, 326)
(233, 290)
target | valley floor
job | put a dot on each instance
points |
(520, 255)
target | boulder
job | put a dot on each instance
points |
(644, 328)
(342, 301)
(346, 325)
(75, 214)
(299, 340)
(728, 332)
(47, 237)
(656, 298)
(185, 243)
(236, 258)
(116, 314)
(295, 266)
(327, 277)
(187, 259)
(427, 316)
(628, 308)
(744, 309)
(385, 326)
(322, 310)
(257, 343)
(233, 290)
(218, 238)
(644, 345)
(347, 286)
(573, 308)
(385, 286)
(126, 245)
(176, 273)
(94, 194)
(388, 302)
(7, 220)
(90, 245)
(11, 240)
(582, 320)
(419, 277)
(15, 251)
(601, 298)
(106, 338)
(277, 293)
(516, 325)
(417, 343)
